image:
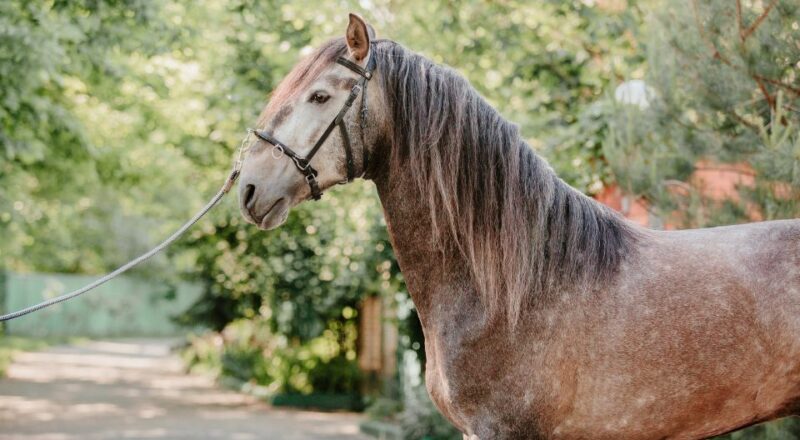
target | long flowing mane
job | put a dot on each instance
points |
(525, 233)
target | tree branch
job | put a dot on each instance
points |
(789, 87)
(701, 30)
(716, 54)
(765, 92)
(739, 20)
(743, 121)
(749, 31)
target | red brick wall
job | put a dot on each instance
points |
(713, 181)
(634, 209)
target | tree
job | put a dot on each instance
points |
(726, 95)
(72, 120)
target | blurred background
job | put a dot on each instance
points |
(119, 118)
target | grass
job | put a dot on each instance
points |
(9, 345)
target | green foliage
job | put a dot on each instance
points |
(725, 90)
(540, 63)
(248, 351)
(61, 68)
(422, 421)
(785, 429)
(313, 270)
(384, 409)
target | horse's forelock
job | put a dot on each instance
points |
(302, 75)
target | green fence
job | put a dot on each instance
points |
(127, 306)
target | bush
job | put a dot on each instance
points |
(247, 351)
(422, 421)
(784, 429)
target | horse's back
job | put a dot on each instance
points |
(701, 330)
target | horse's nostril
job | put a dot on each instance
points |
(247, 197)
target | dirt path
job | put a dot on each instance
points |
(136, 390)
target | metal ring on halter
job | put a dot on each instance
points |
(301, 164)
(280, 150)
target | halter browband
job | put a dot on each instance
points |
(303, 164)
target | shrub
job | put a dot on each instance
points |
(422, 421)
(247, 351)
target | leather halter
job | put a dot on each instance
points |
(303, 164)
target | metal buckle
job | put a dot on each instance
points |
(299, 163)
(280, 151)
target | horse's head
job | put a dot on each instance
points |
(315, 132)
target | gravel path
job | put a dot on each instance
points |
(135, 389)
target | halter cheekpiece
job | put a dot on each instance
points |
(303, 164)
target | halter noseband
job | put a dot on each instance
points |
(303, 164)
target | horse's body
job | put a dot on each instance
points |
(698, 335)
(545, 315)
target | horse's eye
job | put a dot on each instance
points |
(318, 98)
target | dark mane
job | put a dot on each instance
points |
(525, 233)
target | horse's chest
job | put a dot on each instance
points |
(488, 384)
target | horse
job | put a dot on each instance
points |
(545, 314)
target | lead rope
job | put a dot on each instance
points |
(226, 187)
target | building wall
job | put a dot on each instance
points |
(713, 181)
(125, 306)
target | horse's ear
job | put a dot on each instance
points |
(358, 36)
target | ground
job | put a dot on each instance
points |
(137, 390)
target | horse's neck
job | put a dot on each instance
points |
(452, 316)
(432, 277)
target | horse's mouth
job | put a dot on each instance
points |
(274, 216)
